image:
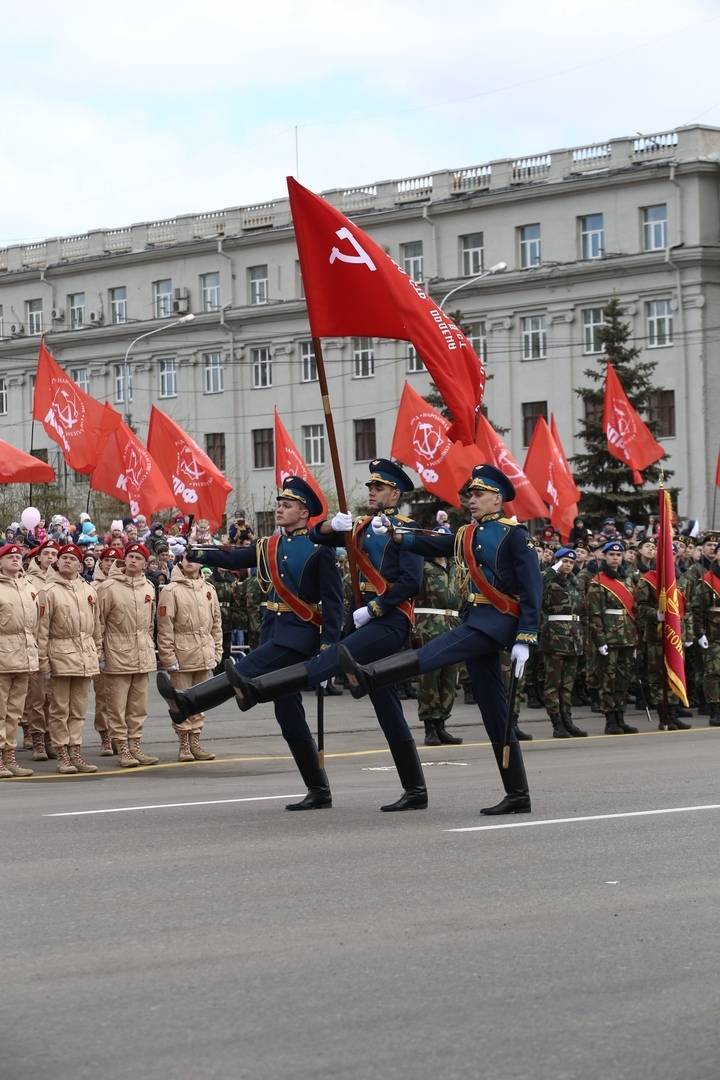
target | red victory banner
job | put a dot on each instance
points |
(354, 289)
(421, 441)
(71, 418)
(17, 467)
(717, 471)
(127, 472)
(669, 603)
(199, 486)
(566, 517)
(628, 438)
(527, 503)
(547, 471)
(289, 462)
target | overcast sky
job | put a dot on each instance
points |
(113, 114)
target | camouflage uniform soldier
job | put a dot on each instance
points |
(651, 666)
(695, 658)
(561, 641)
(611, 611)
(591, 659)
(436, 612)
(253, 605)
(706, 621)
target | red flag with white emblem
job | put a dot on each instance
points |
(421, 440)
(628, 438)
(527, 504)
(199, 486)
(127, 472)
(546, 469)
(289, 462)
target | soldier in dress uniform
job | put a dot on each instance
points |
(611, 614)
(303, 612)
(706, 622)
(35, 718)
(18, 653)
(561, 641)
(190, 644)
(436, 612)
(68, 644)
(499, 570)
(109, 557)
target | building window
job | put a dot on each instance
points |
(592, 319)
(411, 259)
(654, 219)
(476, 334)
(661, 410)
(593, 408)
(210, 291)
(33, 316)
(592, 237)
(81, 377)
(308, 363)
(76, 304)
(120, 383)
(363, 358)
(162, 298)
(263, 448)
(118, 305)
(299, 283)
(530, 246)
(261, 367)
(471, 254)
(414, 361)
(168, 377)
(3, 396)
(2, 328)
(534, 337)
(214, 373)
(659, 323)
(215, 448)
(314, 444)
(265, 522)
(257, 284)
(365, 444)
(530, 412)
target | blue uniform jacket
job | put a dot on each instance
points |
(309, 571)
(503, 551)
(399, 566)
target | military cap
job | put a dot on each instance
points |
(137, 549)
(488, 478)
(566, 553)
(613, 545)
(10, 549)
(294, 487)
(384, 471)
(112, 553)
(711, 537)
(52, 544)
(71, 549)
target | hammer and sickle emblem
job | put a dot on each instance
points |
(361, 257)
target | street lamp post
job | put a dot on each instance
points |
(126, 366)
(496, 269)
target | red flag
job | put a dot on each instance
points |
(669, 602)
(73, 419)
(546, 469)
(564, 518)
(717, 471)
(354, 288)
(527, 503)
(288, 462)
(17, 467)
(629, 439)
(421, 441)
(127, 471)
(199, 486)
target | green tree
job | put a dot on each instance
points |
(606, 483)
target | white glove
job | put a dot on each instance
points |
(380, 524)
(173, 667)
(557, 565)
(441, 517)
(603, 650)
(703, 642)
(342, 522)
(519, 658)
(361, 617)
(688, 644)
(660, 616)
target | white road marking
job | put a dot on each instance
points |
(590, 817)
(171, 805)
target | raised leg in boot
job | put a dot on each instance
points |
(364, 678)
(315, 778)
(407, 763)
(183, 704)
(514, 778)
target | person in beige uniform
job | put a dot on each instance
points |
(18, 653)
(127, 615)
(35, 719)
(189, 638)
(109, 557)
(68, 644)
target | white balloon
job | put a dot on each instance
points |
(30, 517)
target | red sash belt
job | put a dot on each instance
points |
(368, 570)
(305, 611)
(713, 582)
(506, 605)
(619, 591)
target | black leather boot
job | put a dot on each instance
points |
(517, 795)
(445, 736)
(627, 729)
(572, 728)
(611, 724)
(315, 778)
(522, 736)
(674, 721)
(185, 703)
(268, 687)
(468, 697)
(364, 678)
(559, 729)
(407, 763)
(431, 735)
(663, 717)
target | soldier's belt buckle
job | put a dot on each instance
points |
(614, 611)
(366, 587)
(477, 598)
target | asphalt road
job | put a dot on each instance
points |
(226, 938)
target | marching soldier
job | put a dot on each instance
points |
(109, 557)
(35, 719)
(18, 653)
(190, 644)
(68, 646)
(611, 613)
(706, 622)
(127, 617)
(561, 641)
(435, 613)
(303, 612)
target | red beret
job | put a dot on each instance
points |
(47, 544)
(71, 549)
(137, 549)
(10, 549)
(112, 553)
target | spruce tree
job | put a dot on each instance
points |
(606, 483)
